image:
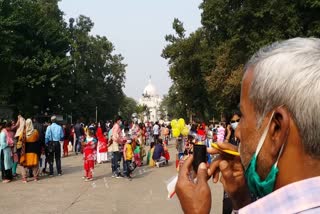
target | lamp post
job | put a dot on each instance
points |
(96, 114)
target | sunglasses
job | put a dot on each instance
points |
(234, 121)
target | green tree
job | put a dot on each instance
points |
(33, 47)
(188, 71)
(128, 107)
(49, 67)
(207, 66)
(98, 74)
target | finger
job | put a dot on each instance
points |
(213, 166)
(202, 174)
(225, 174)
(216, 175)
(213, 151)
(185, 168)
(183, 177)
(226, 170)
(227, 146)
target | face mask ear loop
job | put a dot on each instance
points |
(264, 135)
(280, 153)
(281, 150)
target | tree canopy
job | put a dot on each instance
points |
(206, 67)
(50, 66)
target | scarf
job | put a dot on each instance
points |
(9, 138)
(29, 127)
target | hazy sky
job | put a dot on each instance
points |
(137, 29)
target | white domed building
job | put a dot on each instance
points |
(152, 100)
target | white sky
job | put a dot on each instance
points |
(137, 29)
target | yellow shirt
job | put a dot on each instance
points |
(129, 152)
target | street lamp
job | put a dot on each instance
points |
(96, 114)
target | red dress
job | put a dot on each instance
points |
(89, 156)
(65, 142)
(102, 141)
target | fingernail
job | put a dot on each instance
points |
(223, 165)
(203, 166)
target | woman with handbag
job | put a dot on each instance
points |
(29, 152)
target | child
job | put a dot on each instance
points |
(89, 147)
(128, 155)
(137, 158)
(42, 162)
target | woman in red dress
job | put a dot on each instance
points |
(102, 148)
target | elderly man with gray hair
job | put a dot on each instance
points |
(278, 170)
(54, 134)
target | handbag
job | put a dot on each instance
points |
(19, 142)
(132, 166)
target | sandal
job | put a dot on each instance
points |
(24, 180)
(6, 181)
(88, 179)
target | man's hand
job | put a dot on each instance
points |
(232, 175)
(194, 197)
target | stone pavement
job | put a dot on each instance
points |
(146, 193)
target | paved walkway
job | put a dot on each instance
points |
(146, 193)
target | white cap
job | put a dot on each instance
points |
(53, 117)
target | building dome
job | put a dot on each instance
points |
(150, 90)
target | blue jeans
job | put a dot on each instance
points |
(78, 145)
(124, 164)
(115, 163)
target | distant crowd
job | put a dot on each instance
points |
(34, 147)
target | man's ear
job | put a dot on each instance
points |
(279, 129)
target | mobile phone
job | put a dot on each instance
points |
(199, 155)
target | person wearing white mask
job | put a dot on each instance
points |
(230, 135)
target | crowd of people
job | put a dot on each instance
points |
(35, 147)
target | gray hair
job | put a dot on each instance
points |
(288, 73)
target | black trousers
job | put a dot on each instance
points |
(56, 155)
(227, 206)
(156, 138)
(5, 174)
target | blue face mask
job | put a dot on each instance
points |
(258, 187)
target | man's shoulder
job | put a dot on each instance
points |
(297, 197)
